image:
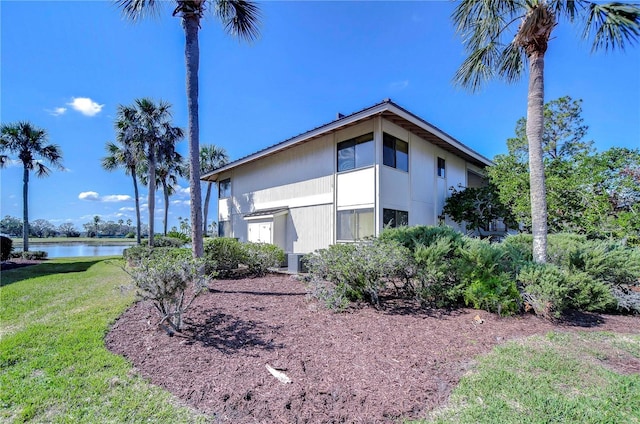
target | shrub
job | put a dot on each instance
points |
(130, 235)
(422, 235)
(34, 255)
(223, 254)
(438, 282)
(171, 283)
(135, 254)
(358, 271)
(544, 289)
(259, 257)
(495, 294)
(6, 247)
(162, 241)
(179, 236)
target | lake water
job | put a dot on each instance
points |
(66, 250)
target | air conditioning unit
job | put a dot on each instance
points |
(295, 263)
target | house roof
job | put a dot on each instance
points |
(387, 109)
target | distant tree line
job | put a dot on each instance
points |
(41, 228)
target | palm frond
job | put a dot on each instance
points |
(138, 9)
(479, 67)
(511, 63)
(241, 18)
(612, 25)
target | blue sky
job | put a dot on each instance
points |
(67, 65)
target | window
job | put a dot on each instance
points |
(392, 218)
(224, 188)
(441, 168)
(224, 229)
(355, 153)
(355, 224)
(395, 152)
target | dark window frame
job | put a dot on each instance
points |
(222, 226)
(397, 221)
(441, 167)
(352, 144)
(391, 153)
(227, 190)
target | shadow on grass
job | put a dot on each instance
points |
(10, 276)
(228, 333)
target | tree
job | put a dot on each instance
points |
(68, 230)
(587, 192)
(42, 228)
(477, 207)
(29, 143)
(11, 226)
(211, 157)
(239, 18)
(96, 225)
(148, 125)
(123, 154)
(485, 24)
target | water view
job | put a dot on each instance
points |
(65, 250)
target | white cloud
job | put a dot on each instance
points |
(181, 202)
(88, 195)
(86, 106)
(127, 209)
(111, 198)
(116, 198)
(399, 85)
(56, 111)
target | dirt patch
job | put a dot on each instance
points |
(365, 365)
(18, 263)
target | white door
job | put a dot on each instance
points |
(260, 232)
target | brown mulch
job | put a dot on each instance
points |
(363, 366)
(18, 263)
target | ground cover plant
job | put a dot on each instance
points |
(54, 366)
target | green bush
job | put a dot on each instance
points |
(545, 289)
(6, 247)
(34, 255)
(161, 241)
(179, 236)
(130, 235)
(223, 254)
(358, 271)
(259, 257)
(483, 268)
(135, 254)
(422, 235)
(438, 280)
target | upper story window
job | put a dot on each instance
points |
(392, 218)
(395, 152)
(441, 168)
(224, 188)
(355, 153)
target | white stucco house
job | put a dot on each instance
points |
(344, 181)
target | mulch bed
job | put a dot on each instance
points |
(364, 365)
(18, 263)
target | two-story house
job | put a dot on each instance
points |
(343, 181)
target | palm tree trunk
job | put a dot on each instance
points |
(535, 127)
(191, 26)
(25, 210)
(165, 191)
(206, 208)
(135, 191)
(152, 192)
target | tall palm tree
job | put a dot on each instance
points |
(149, 127)
(240, 18)
(122, 154)
(29, 143)
(211, 157)
(168, 169)
(484, 24)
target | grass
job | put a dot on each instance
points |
(54, 366)
(557, 378)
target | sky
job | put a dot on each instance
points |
(67, 65)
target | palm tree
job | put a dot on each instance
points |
(29, 143)
(122, 154)
(211, 157)
(240, 18)
(168, 169)
(484, 24)
(148, 125)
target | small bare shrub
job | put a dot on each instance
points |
(171, 283)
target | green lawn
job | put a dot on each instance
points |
(53, 363)
(557, 378)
